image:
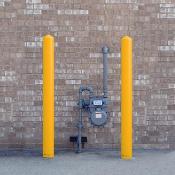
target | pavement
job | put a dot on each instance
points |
(144, 162)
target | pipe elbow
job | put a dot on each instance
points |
(86, 88)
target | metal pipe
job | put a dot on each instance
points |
(80, 125)
(80, 122)
(105, 51)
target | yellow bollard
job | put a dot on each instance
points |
(48, 96)
(126, 98)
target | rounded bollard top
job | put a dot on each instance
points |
(48, 36)
(126, 38)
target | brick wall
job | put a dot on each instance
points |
(81, 28)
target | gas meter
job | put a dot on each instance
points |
(96, 106)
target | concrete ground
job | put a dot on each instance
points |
(89, 163)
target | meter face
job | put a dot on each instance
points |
(98, 115)
(97, 102)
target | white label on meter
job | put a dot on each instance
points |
(98, 115)
(97, 102)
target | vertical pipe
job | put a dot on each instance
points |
(126, 98)
(80, 124)
(105, 51)
(48, 96)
